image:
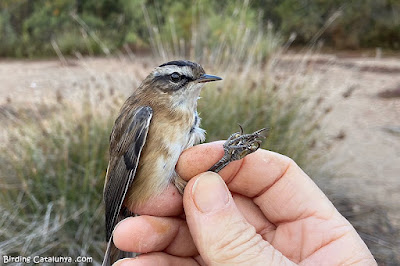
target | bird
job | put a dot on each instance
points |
(154, 126)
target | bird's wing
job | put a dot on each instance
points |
(126, 143)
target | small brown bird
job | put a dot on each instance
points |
(156, 123)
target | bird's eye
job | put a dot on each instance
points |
(175, 77)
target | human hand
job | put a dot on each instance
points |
(274, 214)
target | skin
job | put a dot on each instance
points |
(274, 214)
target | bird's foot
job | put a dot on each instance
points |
(237, 147)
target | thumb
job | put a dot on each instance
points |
(221, 234)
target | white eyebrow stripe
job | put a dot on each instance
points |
(169, 69)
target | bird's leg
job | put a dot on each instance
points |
(180, 183)
(237, 147)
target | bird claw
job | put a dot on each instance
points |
(238, 146)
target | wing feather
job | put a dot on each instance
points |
(126, 143)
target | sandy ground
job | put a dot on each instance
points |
(362, 145)
(361, 139)
(363, 127)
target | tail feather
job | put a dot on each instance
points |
(113, 253)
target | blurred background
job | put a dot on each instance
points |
(323, 76)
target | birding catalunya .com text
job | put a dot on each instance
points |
(44, 259)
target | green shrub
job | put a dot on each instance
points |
(358, 23)
(8, 35)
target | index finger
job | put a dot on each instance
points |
(276, 184)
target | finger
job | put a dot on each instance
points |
(220, 232)
(143, 234)
(168, 203)
(147, 234)
(254, 216)
(157, 258)
(199, 159)
(277, 185)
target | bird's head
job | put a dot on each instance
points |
(179, 82)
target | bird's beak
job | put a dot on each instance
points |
(207, 78)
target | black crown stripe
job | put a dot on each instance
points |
(179, 63)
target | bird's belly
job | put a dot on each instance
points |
(176, 147)
(164, 166)
(158, 160)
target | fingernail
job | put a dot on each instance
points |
(210, 192)
(124, 262)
